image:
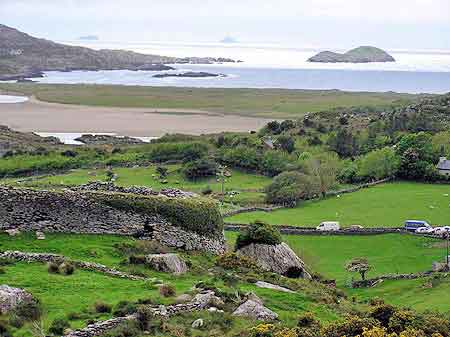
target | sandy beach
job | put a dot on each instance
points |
(38, 116)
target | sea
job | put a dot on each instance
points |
(273, 66)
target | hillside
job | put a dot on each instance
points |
(22, 55)
(363, 54)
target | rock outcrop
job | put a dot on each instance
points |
(168, 263)
(11, 297)
(254, 308)
(191, 74)
(108, 140)
(364, 54)
(279, 259)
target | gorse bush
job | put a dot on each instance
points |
(258, 232)
(167, 290)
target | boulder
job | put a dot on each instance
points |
(40, 235)
(439, 266)
(267, 285)
(183, 298)
(253, 308)
(280, 259)
(12, 232)
(168, 263)
(11, 297)
(207, 299)
(198, 323)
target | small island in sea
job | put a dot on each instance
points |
(89, 38)
(363, 54)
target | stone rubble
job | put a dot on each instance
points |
(11, 297)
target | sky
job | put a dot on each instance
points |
(390, 24)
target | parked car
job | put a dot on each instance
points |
(413, 225)
(328, 226)
(441, 230)
(425, 230)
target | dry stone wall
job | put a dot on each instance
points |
(70, 211)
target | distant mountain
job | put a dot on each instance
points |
(363, 54)
(89, 38)
(22, 56)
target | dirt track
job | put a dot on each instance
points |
(37, 116)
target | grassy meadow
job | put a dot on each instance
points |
(249, 186)
(386, 205)
(273, 103)
(62, 295)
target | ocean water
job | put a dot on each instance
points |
(270, 66)
(7, 99)
(68, 138)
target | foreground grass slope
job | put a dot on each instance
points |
(275, 103)
(387, 205)
(391, 253)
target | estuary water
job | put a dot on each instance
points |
(272, 66)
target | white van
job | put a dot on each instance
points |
(328, 226)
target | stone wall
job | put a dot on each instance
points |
(80, 211)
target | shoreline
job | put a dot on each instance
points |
(45, 117)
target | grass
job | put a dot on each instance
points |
(390, 253)
(247, 184)
(386, 205)
(61, 295)
(274, 103)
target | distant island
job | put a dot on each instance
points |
(89, 38)
(191, 74)
(23, 56)
(363, 54)
(229, 39)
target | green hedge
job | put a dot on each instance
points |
(200, 215)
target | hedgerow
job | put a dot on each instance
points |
(200, 215)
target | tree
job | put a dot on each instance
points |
(343, 143)
(289, 188)
(378, 164)
(162, 171)
(323, 168)
(358, 265)
(200, 168)
(285, 143)
(416, 156)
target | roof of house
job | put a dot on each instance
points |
(444, 164)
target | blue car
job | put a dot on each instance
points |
(413, 225)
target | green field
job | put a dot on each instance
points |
(248, 185)
(275, 103)
(390, 253)
(61, 295)
(387, 205)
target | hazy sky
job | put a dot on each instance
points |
(325, 23)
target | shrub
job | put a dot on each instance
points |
(200, 168)
(69, 153)
(124, 308)
(307, 320)
(143, 317)
(289, 188)
(53, 267)
(382, 313)
(167, 290)
(102, 307)
(136, 259)
(66, 268)
(58, 326)
(241, 156)
(199, 215)
(275, 162)
(127, 329)
(235, 261)
(4, 329)
(6, 262)
(258, 232)
(177, 151)
(351, 326)
(2, 271)
(207, 190)
(28, 310)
